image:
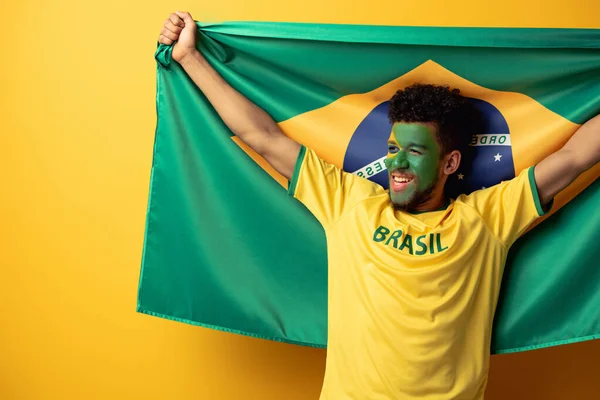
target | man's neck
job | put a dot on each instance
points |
(432, 205)
(436, 201)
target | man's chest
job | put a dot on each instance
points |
(406, 238)
(410, 248)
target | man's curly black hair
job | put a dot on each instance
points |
(455, 118)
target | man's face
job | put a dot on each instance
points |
(413, 162)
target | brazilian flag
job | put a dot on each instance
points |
(226, 247)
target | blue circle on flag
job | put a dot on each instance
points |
(492, 156)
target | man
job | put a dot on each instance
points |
(414, 276)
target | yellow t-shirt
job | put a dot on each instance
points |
(411, 297)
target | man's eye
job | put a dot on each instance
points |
(416, 152)
(392, 149)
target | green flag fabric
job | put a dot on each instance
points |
(226, 247)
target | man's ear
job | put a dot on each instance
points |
(451, 162)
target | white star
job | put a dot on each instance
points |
(461, 176)
(497, 157)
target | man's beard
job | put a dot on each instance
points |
(419, 198)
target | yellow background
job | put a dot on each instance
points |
(76, 131)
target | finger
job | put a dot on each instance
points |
(164, 40)
(174, 18)
(185, 16)
(173, 28)
(168, 34)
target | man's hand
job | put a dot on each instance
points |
(180, 27)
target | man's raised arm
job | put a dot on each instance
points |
(561, 168)
(245, 119)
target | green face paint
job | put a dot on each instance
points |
(412, 162)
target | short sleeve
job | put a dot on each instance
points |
(326, 190)
(510, 207)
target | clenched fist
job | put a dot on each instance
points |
(181, 28)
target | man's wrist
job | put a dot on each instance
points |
(193, 57)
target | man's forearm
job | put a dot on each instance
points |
(248, 121)
(561, 168)
(585, 144)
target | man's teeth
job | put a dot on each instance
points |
(401, 180)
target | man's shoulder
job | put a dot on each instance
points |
(370, 188)
(466, 205)
(369, 197)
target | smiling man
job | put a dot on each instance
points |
(412, 163)
(432, 126)
(414, 276)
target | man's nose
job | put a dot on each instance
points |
(399, 161)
